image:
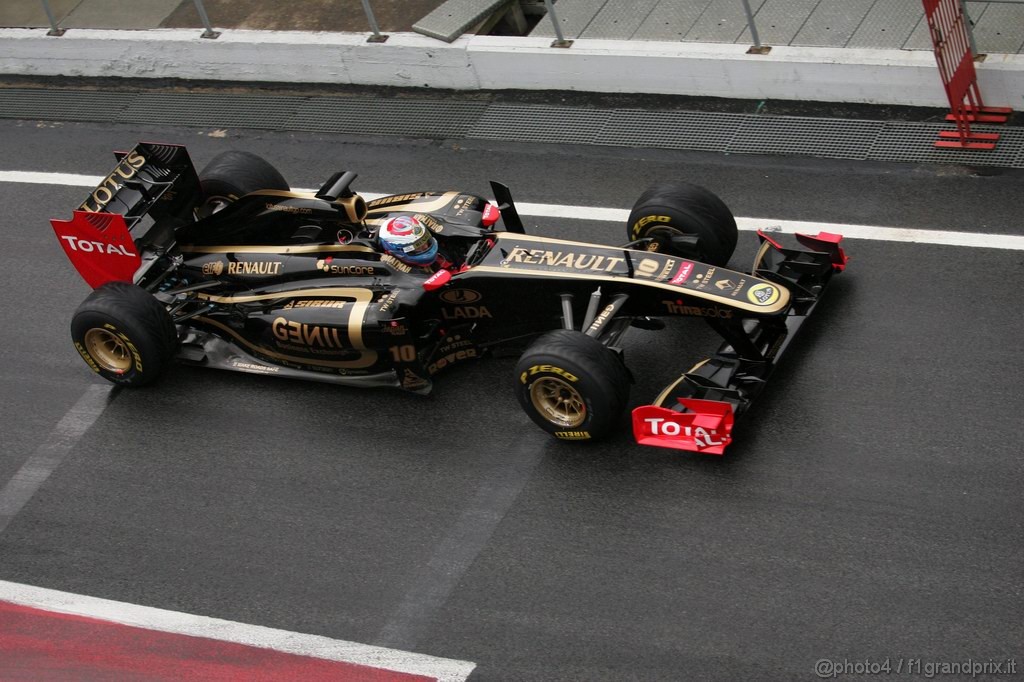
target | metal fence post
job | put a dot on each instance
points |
(209, 32)
(561, 41)
(751, 24)
(969, 27)
(54, 29)
(377, 37)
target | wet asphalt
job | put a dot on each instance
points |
(868, 509)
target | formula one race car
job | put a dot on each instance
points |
(229, 268)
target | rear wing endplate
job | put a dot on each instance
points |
(102, 239)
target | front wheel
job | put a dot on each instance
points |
(670, 209)
(124, 334)
(572, 386)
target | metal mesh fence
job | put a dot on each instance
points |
(998, 25)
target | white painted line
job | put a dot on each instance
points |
(33, 178)
(436, 579)
(977, 240)
(48, 456)
(443, 669)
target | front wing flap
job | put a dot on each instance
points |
(697, 411)
(705, 426)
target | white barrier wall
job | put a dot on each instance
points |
(493, 62)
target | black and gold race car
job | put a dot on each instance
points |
(229, 268)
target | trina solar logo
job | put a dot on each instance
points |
(680, 308)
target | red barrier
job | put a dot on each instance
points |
(956, 66)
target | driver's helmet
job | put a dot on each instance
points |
(408, 241)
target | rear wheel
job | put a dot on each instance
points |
(677, 208)
(124, 334)
(572, 386)
(234, 174)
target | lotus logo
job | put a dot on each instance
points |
(763, 294)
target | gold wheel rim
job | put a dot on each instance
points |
(558, 401)
(108, 350)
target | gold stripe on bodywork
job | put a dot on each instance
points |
(361, 296)
(678, 291)
(421, 207)
(283, 250)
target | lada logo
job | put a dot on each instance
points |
(461, 296)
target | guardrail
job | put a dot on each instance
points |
(209, 32)
(888, 13)
(561, 40)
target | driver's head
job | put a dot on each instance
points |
(408, 241)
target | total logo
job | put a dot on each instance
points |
(685, 270)
(86, 246)
(702, 438)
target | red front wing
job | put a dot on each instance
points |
(705, 427)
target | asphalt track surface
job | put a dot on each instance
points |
(870, 507)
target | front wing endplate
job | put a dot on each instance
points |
(705, 426)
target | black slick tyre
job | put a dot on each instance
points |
(672, 208)
(572, 386)
(124, 334)
(233, 174)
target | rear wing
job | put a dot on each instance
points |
(104, 236)
(158, 180)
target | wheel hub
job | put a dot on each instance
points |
(558, 401)
(108, 350)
